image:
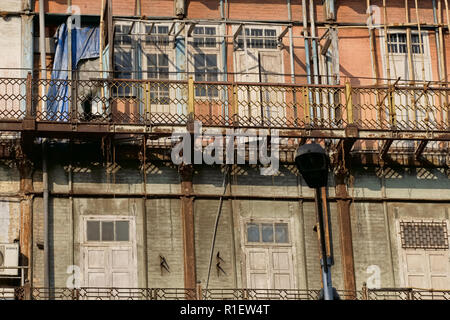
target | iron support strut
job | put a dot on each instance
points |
(324, 261)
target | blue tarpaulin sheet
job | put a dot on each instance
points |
(85, 45)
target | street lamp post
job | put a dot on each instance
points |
(312, 162)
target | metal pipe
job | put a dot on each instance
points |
(373, 59)
(386, 50)
(223, 49)
(438, 33)
(325, 266)
(71, 107)
(42, 47)
(305, 34)
(291, 44)
(44, 145)
(420, 40)
(314, 43)
(46, 213)
(227, 197)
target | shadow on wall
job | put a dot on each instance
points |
(89, 164)
(403, 177)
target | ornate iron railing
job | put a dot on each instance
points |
(226, 104)
(27, 293)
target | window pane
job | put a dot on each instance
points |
(392, 37)
(257, 32)
(199, 61)
(281, 233)
(163, 29)
(211, 31)
(107, 231)
(93, 231)
(151, 60)
(252, 232)
(267, 232)
(211, 60)
(122, 231)
(198, 30)
(163, 60)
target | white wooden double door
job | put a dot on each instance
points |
(108, 258)
(427, 269)
(109, 266)
(269, 268)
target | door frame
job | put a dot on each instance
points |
(132, 243)
(245, 245)
(402, 252)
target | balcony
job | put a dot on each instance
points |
(416, 115)
(27, 293)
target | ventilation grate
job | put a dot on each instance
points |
(424, 235)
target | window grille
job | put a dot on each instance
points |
(424, 235)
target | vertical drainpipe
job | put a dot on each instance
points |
(438, 45)
(224, 58)
(307, 52)
(305, 34)
(180, 67)
(27, 43)
(314, 43)
(44, 147)
(138, 53)
(291, 45)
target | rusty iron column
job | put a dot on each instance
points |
(187, 220)
(25, 167)
(346, 240)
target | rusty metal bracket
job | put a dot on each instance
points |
(385, 148)
(420, 148)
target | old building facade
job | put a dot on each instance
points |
(90, 193)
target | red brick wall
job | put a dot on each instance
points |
(354, 50)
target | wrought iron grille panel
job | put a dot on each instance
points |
(225, 104)
(424, 235)
(23, 293)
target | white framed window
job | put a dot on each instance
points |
(204, 58)
(157, 67)
(123, 59)
(206, 69)
(122, 35)
(397, 43)
(107, 230)
(269, 233)
(157, 35)
(204, 37)
(258, 38)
